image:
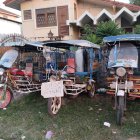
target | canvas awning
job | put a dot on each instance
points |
(125, 37)
(69, 43)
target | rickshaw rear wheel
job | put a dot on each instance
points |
(120, 110)
(5, 101)
(54, 105)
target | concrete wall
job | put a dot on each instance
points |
(9, 27)
(29, 26)
(76, 8)
(92, 8)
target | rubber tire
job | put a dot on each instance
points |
(92, 93)
(7, 99)
(51, 102)
(120, 110)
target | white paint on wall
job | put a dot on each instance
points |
(125, 1)
(9, 27)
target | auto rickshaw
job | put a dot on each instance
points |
(70, 68)
(19, 69)
(123, 68)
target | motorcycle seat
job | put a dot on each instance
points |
(18, 72)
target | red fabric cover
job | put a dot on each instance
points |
(15, 71)
(71, 63)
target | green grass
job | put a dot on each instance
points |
(80, 119)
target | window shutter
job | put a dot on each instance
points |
(27, 14)
(46, 17)
(62, 14)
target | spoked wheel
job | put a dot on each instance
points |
(91, 90)
(5, 98)
(54, 104)
(120, 110)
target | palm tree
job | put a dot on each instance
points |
(90, 35)
(109, 28)
(102, 30)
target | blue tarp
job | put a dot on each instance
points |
(125, 37)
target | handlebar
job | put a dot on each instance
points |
(56, 71)
(67, 66)
(51, 67)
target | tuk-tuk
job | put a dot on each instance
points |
(19, 67)
(70, 68)
(123, 67)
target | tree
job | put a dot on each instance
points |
(90, 35)
(103, 29)
(136, 2)
(137, 29)
(109, 28)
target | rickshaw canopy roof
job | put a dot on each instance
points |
(30, 46)
(69, 43)
(125, 37)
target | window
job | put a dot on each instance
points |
(27, 14)
(46, 17)
(128, 29)
(41, 20)
(51, 20)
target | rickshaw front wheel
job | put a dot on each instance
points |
(91, 92)
(5, 98)
(54, 104)
(120, 110)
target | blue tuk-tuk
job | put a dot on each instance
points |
(123, 67)
(70, 70)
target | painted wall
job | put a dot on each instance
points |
(9, 27)
(29, 26)
(76, 8)
(92, 8)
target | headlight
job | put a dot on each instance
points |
(121, 71)
(1, 71)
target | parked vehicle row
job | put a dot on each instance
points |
(55, 68)
(59, 68)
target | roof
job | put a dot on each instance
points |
(69, 43)
(16, 4)
(125, 37)
(131, 7)
(30, 47)
(13, 3)
(6, 12)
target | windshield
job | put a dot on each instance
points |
(8, 58)
(123, 55)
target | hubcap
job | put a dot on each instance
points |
(56, 104)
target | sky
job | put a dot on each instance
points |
(17, 12)
(126, 1)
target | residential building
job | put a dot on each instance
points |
(9, 23)
(67, 17)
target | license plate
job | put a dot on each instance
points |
(122, 86)
(120, 93)
(52, 89)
